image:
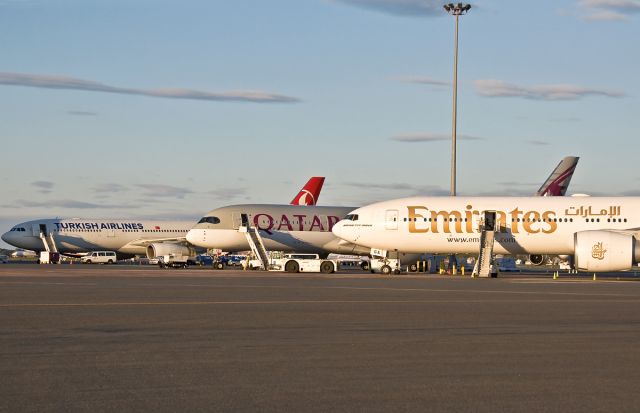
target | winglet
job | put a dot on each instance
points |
(310, 193)
(558, 182)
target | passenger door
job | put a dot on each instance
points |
(391, 219)
(236, 218)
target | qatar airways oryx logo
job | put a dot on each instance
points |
(305, 198)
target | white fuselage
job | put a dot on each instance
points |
(528, 225)
(88, 234)
(283, 228)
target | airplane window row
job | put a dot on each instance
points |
(123, 230)
(455, 219)
(608, 219)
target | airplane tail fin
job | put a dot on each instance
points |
(558, 182)
(309, 194)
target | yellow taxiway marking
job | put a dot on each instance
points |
(287, 302)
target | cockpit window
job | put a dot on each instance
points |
(18, 229)
(351, 217)
(209, 220)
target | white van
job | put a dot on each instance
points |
(99, 257)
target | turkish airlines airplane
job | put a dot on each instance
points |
(125, 236)
(600, 232)
(289, 228)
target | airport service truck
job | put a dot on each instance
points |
(173, 261)
(304, 263)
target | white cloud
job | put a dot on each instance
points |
(608, 10)
(109, 188)
(67, 203)
(410, 8)
(43, 184)
(81, 113)
(228, 193)
(431, 137)
(500, 88)
(537, 142)
(158, 190)
(423, 80)
(70, 83)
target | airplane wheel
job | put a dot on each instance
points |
(326, 267)
(386, 270)
(291, 266)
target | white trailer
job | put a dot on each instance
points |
(303, 263)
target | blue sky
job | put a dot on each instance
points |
(143, 108)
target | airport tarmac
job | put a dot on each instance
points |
(120, 338)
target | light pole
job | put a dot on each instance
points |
(456, 10)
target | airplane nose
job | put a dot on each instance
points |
(5, 237)
(339, 230)
(195, 237)
(190, 237)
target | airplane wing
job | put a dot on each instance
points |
(147, 241)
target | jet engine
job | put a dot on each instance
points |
(537, 259)
(605, 251)
(166, 248)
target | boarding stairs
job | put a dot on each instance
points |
(485, 259)
(48, 241)
(257, 245)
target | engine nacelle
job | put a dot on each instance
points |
(537, 259)
(597, 251)
(166, 248)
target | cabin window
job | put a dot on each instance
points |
(209, 220)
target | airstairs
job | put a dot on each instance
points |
(255, 242)
(48, 241)
(487, 237)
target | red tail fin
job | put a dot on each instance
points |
(309, 194)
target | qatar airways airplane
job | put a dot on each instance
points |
(290, 228)
(600, 232)
(125, 236)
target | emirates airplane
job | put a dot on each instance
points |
(128, 237)
(600, 232)
(299, 229)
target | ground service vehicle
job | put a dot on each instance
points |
(4, 259)
(304, 263)
(47, 257)
(173, 261)
(99, 257)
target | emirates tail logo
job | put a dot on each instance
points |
(306, 198)
(598, 251)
